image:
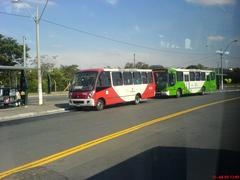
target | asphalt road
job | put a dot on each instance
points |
(195, 145)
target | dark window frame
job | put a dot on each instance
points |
(119, 81)
(197, 76)
(139, 78)
(203, 76)
(179, 76)
(125, 82)
(109, 79)
(191, 77)
(186, 79)
(146, 80)
(149, 77)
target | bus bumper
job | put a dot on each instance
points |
(81, 102)
(162, 93)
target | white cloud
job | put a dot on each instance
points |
(137, 28)
(215, 38)
(22, 5)
(212, 2)
(188, 43)
(41, 2)
(28, 4)
(112, 2)
(160, 36)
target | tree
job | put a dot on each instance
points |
(129, 66)
(11, 52)
(156, 67)
(138, 65)
(198, 66)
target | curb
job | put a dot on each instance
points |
(32, 114)
(36, 95)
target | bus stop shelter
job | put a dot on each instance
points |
(13, 85)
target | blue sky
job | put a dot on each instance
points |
(164, 25)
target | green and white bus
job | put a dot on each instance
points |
(178, 82)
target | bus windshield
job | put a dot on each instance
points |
(161, 80)
(84, 81)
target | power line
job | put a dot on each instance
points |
(120, 41)
(12, 14)
(108, 38)
(202, 59)
(44, 8)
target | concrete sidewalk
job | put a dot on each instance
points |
(32, 110)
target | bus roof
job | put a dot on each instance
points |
(188, 70)
(115, 69)
(182, 70)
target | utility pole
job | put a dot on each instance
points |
(24, 51)
(37, 20)
(40, 95)
(134, 61)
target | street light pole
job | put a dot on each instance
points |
(221, 53)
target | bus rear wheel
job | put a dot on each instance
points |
(100, 105)
(137, 99)
(203, 91)
(178, 93)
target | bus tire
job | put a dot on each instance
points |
(137, 99)
(178, 93)
(203, 91)
(100, 105)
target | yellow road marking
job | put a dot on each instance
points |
(89, 144)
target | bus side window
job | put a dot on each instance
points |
(203, 76)
(208, 77)
(192, 76)
(186, 77)
(117, 78)
(198, 78)
(212, 74)
(127, 78)
(104, 80)
(179, 76)
(144, 77)
(137, 78)
(150, 77)
(172, 79)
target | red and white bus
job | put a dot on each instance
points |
(102, 87)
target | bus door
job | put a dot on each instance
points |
(128, 86)
(103, 88)
(193, 84)
(186, 81)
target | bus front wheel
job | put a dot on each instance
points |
(100, 105)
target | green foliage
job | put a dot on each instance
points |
(11, 52)
(198, 66)
(139, 65)
(61, 77)
(156, 67)
(32, 80)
